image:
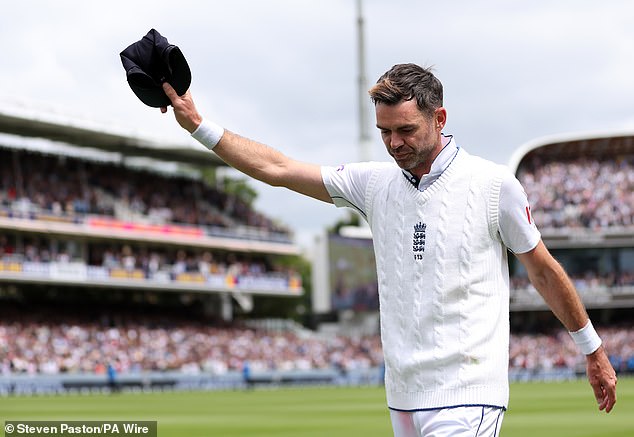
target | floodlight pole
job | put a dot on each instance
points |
(364, 136)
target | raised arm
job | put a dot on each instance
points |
(554, 285)
(251, 157)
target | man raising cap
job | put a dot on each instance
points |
(442, 221)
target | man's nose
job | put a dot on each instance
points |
(396, 141)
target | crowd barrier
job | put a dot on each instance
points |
(23, 384)
(80, 272)
(33, 385)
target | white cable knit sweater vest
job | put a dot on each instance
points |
(443, 286)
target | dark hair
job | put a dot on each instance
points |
(407, 82)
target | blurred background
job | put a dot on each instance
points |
(130, 257)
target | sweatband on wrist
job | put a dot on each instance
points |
(586, 339)
(208, 134)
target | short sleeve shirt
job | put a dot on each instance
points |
(346, 185)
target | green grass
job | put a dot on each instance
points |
(537, 409)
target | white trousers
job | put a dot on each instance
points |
(472, 421)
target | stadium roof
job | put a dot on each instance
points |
(28, 122)
(570, 145)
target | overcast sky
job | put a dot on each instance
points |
(285, 71)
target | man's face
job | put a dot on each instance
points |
(410, 137)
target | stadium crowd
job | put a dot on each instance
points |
(53, 343)
(584, 193)
(545, 352)
(587, 281)
(65, 186)
(151, 261)
(581, 193)
(66, 344)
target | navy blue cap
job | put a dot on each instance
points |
(150, 62)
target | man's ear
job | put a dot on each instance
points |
(440, 117)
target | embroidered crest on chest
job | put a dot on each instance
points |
(418, 245)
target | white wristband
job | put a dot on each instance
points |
(586, 339)
(208, 134)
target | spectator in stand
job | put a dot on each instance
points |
(128, 260)
(6, 248)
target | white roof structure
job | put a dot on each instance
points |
(572, 144)
(28, 122)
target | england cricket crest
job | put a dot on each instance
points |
(418, 245)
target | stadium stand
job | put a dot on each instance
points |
(581, 189)
(72, 341)
(583, 192)
(64, 188)
(106, 235)
(106, 261)
(83, 206)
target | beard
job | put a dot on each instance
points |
(415, 160)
